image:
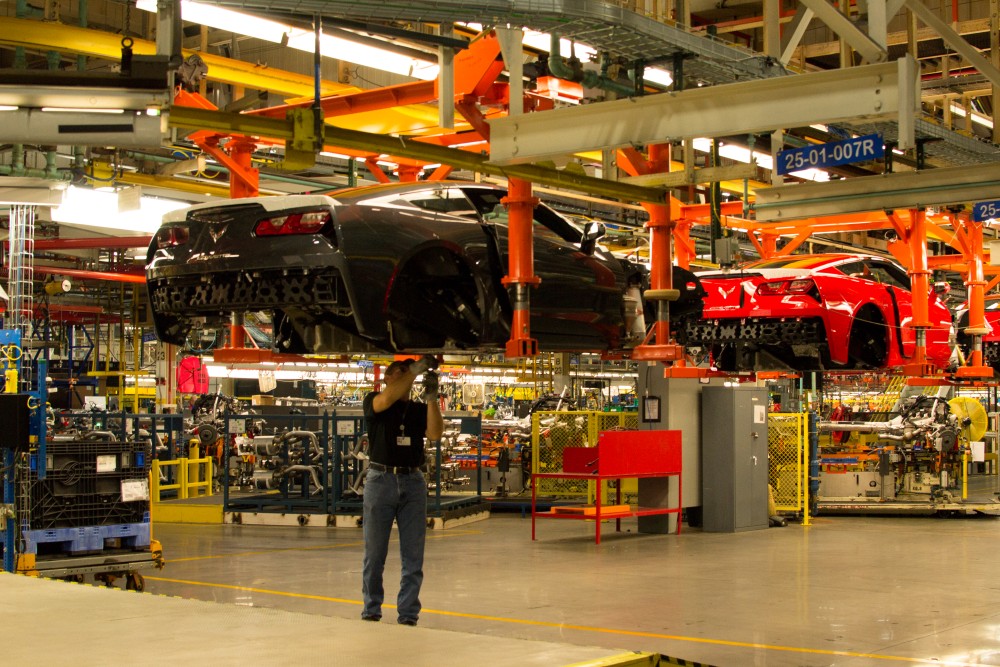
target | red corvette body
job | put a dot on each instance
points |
(813, 312)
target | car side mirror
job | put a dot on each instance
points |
(941, 288)
(592, 231)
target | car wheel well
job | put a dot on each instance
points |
(435, 299)
(868, 344)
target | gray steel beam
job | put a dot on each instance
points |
(913, 189)
(673, 179)
(871, 91)
(840, 24)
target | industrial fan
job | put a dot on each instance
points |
(971, 417)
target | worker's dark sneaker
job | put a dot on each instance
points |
(374, 619)
(407, 621)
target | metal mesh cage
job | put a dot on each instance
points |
(551, 432)
(786, 444)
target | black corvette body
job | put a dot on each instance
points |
(405, 267)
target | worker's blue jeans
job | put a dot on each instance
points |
(403, 498)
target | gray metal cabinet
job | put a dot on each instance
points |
(734, 458)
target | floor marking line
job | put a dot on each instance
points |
(311, 548)
(579, 628)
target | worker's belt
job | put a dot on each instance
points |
(395, 470)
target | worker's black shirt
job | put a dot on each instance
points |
(404, 419)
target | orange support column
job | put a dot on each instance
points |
(237, 334)
(244, 181)
(920, 288)
(976, 283)
(659, 345)
(521, 262)
(408, 173)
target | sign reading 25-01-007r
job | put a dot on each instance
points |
(858, 149)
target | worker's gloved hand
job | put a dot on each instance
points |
(430, 385)
(426, 362)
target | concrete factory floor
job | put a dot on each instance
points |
(843, 591)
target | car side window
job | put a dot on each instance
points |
(546, 224)
(890, 274)
(442, 200)
(855, 270)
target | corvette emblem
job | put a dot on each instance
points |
(726, 292)
(216, 232)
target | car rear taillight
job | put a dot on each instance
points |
(309, 222)
(782, 287)
(169, 237)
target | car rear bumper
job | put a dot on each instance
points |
(756, 331)
(230, 291)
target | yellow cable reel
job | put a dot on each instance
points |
(971, 417)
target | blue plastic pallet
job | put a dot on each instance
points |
(88, 539)
(72, 540)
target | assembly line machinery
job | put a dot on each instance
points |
(915, 462)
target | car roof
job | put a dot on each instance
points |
(366, 191)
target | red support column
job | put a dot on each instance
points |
(521, 262)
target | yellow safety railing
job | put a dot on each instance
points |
(788, 462)
(192, 478)
(551, 432)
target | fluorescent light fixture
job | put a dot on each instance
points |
(976, 117)
(81, 110)
(8, 107)
(764, 160)
(99, 209)
(302, 40)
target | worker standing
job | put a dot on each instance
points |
(395, 488)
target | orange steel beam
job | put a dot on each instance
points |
(469, 109)
(136, 278)
(440, 173)
(684, 248)
(377, 99)
(521, 262)
(475, 69)
(372, 164)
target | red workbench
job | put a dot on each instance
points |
(619, 455)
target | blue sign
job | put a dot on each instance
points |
(149, 337)
(858, 149)
(985, 210)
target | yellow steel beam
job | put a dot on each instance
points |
(103, 171)
(335, 137)
(51, 36)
